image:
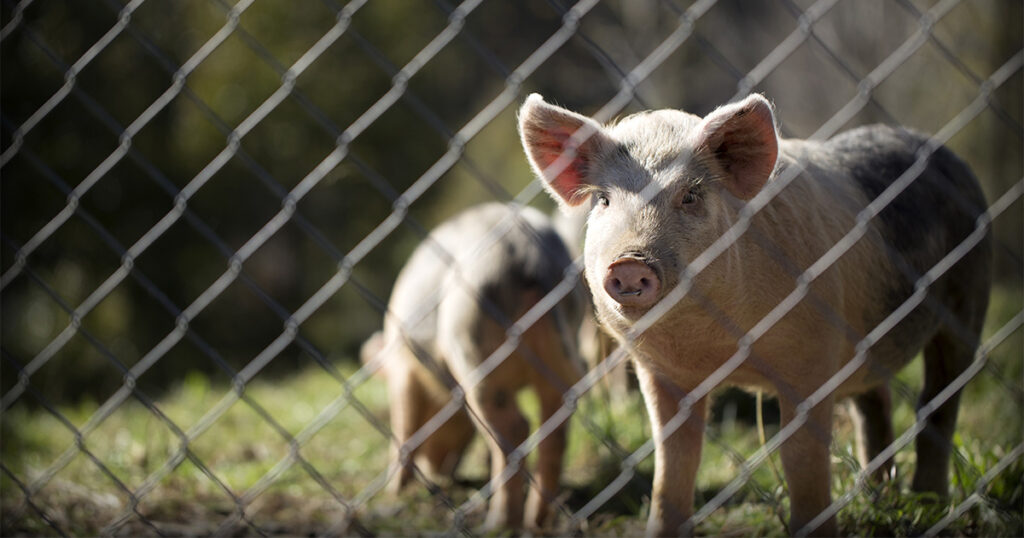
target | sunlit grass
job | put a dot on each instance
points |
(333, 481)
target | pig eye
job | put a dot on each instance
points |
(688, 198)
(602, 200)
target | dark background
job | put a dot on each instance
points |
(78, 128)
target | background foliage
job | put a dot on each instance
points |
(393, 152)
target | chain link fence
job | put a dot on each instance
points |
(205, 205)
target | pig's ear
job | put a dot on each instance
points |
(741, 139)
(561, 146)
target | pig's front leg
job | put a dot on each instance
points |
(805, 460)
(676, 456)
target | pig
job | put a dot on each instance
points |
(451, 306)
(663, 185)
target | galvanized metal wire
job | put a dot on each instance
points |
(626, 80)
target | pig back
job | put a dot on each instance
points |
(492, 255)
(504, 254)
(929, 218)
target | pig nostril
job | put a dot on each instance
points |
(631, 282)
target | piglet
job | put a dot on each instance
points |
(454, 305)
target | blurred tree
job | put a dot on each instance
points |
(183, 138)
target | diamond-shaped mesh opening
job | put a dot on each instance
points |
(958, 90)
(196, 255)
(28, 61)
(247, 336)
(33, 191)
(376, 23)
(171, 32)
(275, 146)
(262, 24)
(240, 465)
(173, 496)
(232, 60)
(105, 77)
(132, 443)
(70, 505)
(347, 427)
(76, 164)
(295, 502)
(130, 311)
(126, 192)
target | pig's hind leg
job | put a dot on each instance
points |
(408, 398)
(553, 362)
(492, 406)
(945, 357)
(872, 415)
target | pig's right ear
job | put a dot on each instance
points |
(561, 146)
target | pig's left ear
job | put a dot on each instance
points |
(562, 147)
(741, 139)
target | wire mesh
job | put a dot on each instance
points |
(313, 280)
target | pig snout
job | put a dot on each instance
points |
(631, 282)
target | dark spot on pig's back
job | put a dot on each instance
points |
(922, 224)
(938, 208)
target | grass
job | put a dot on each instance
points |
(122, 474)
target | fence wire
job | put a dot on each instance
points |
(636, 68)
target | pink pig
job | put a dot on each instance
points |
(663, 185)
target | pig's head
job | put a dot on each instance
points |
(661, 186)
